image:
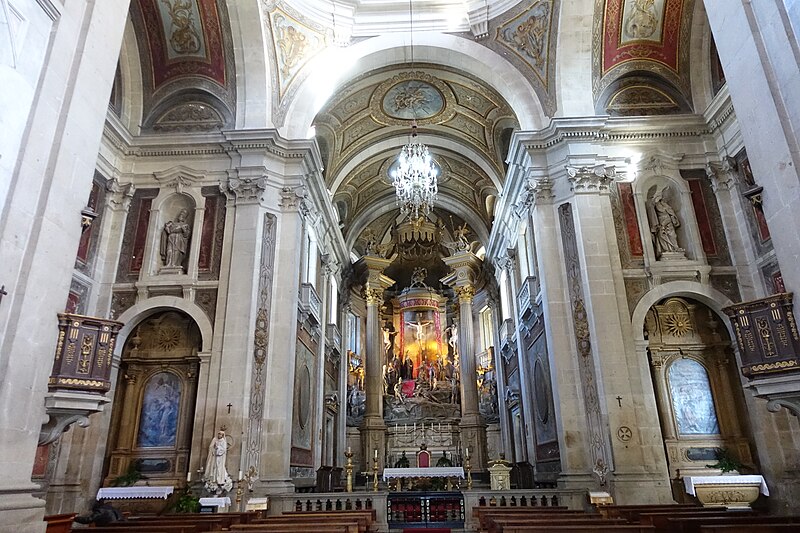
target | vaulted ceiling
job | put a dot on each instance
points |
(465, 123)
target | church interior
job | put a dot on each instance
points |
(279, 251)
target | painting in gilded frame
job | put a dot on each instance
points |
(158, 423)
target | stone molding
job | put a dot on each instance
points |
(245, 190)
(590, 179)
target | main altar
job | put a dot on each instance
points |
(422, 380)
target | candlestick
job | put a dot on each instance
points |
(375, 472)
(349, 469)
(468, 470)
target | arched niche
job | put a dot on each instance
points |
(153, 411)
(694, 372)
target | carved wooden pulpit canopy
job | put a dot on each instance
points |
(84, 352)
(766, 333)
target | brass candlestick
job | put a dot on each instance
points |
(468, 470)
(374, 474)
(239, 496)
(349, 469)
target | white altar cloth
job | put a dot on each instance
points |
(124, 493)
(690, 481)
(433, 471)
(216, 502)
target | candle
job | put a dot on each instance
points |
(348, 450)
(466, 452)
(189, 477)
(376, 453)
(240, 475)
(415, 427)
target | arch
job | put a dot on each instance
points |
(700, 59)
(132, 87)
(330, 70)
(711, 297)
(254, 92)
(387, 204)
(134, 315)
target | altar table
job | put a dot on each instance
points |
(124, 493)
(399, 474)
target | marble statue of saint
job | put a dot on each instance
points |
(664, 233)
(216, 478)
(175, 241)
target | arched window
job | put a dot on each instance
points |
(692, 400)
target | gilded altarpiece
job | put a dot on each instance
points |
(154, 404)
(694, 380)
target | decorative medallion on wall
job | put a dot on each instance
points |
(412, 99)
(528, 35)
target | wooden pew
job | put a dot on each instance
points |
(750, 528)
(682, 524)
(502, 524)
(365, 517)
(631, 512)
(363, 521)
(297, 525)
(660, 520)
(482, 513)
(590, 528)
(148, 528)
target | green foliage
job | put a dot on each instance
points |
(128, 478)
(726, 461)
(186, 502)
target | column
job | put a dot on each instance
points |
(466, 267)
(757, 48)
(621, 414)
(40, 221)
(373, 431)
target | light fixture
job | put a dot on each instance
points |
(414, 176)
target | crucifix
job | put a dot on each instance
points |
(229, 407)
(3, 292)
(618, 398)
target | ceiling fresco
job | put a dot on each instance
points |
(464, 122)
(187, 63)
(647, 40)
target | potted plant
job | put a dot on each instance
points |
(726, 462)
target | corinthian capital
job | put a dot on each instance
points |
(721, 174)
(373, 296)
(245, 189)
(590, 179)
(465, 293)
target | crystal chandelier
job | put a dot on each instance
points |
(414, 176)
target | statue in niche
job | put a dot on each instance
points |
(216, 479)
(175, 242)
(666, 222)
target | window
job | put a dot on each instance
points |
(487, 331)
(522, 255)
(353, 332)
(505, 295)
(333, 309)
(310, 274)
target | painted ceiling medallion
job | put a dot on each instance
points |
(412, 99)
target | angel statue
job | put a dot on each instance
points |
(461, 243)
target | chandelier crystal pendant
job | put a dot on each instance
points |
(415, 178)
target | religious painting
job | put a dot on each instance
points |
(642, 20)
(692, 400)
(158, 424)
(413, 99)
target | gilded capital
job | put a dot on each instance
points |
(373, 296)
(465, 293)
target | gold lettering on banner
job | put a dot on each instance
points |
(110, 351)
(101, 355)
(766, 336)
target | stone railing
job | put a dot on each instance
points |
(309, 303)
(526, 297)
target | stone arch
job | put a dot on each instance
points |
(253, 107)
(134, 315)
(130, 67)
(711, 297)
(391, 49)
